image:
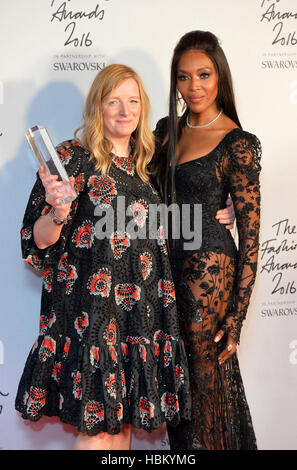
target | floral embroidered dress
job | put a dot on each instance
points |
(109, 350)
(214, 284)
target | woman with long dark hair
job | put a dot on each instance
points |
(201, 157)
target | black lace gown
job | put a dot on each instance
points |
(109, 350)
(213, 287)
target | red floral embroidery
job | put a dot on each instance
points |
(126, 295)
(100, 283)
(79, 182)
(56, 372)
(123, 384)
(167, 352)
(47, 348)
(146, 410)
(94, 413)
(124, 347)
(139, 210)
(161, 239)
(48, 278)
(46, 323)
(67, 273)
(124, 163)
(43, 323)
(179, 376)
(77, 385)
(110, 385)
(102, 190)
(147, 263)
(81, 323)
(25, 398)
(119, 242)
(26, 233)
(83, 236)
(156, 349)
(166, 292)
(65, 156)
(36, 401)
(110, 335)
(35, 262)
(119, 408)
(169, 405)
(66, 347)
(94, 356)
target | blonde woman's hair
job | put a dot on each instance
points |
(92, 135)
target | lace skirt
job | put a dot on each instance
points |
(221, 418)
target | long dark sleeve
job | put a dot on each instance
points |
(241, 170)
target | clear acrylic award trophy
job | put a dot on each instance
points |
(46, 155)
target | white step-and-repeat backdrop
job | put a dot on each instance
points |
(50, 53)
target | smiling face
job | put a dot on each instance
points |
(121, 110)
(197, 81)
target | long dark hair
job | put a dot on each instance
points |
(209, 44)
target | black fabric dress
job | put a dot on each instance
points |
(213, 288)
(109, 350)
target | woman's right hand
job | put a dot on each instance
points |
(54, 193)
(45, 231)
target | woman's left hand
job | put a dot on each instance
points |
(227, 216)
(230, 349)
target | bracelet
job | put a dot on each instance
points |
(57, 219)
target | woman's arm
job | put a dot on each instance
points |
(46, 231)
(242, 168)
(42, 240)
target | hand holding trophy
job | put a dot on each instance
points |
(59, 190)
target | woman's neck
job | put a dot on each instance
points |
(203, 118)
(121, 147)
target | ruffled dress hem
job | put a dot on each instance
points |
(58, 368)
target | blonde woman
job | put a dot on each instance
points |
(109, 353)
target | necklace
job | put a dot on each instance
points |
(203, 125)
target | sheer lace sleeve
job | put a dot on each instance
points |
(72, 156)
(241, 168)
